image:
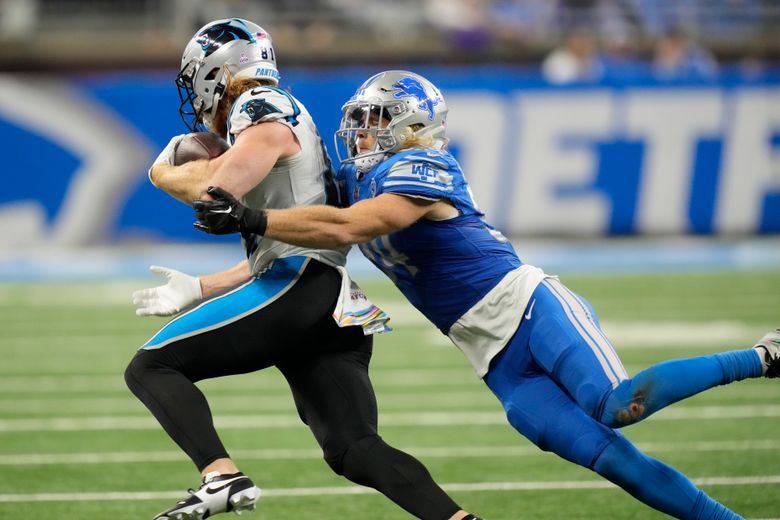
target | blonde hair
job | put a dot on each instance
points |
(233, 89)
(410, 139)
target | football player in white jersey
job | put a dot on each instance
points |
(537, 345)
(292, 307)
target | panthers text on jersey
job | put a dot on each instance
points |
(299, 180)
(461, 273)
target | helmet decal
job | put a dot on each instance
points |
(408, 86)
(388, 106)
(216, 36)
(220, 50)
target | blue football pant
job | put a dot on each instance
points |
(564, 388)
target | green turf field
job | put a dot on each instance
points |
(75, 444)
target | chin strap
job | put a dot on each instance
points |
(363, 164)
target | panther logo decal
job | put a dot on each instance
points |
(215, 37)
(257, 109)
(411, 87)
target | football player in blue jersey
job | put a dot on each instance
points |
(285, 306)
(537, 345)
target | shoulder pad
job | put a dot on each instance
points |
(440, 159)
(261, 104)
(420, 174)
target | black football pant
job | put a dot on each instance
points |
(327, 369)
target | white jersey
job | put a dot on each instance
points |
(295, 181)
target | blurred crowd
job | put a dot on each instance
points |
(575, 40)
(571, 39)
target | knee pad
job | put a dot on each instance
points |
(140, 368)
(135, 371)
(350, 460)
(530, 426)
(575, 437)
(624, 405)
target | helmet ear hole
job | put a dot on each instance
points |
(386, 143)
(212, 74)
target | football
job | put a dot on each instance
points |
(199, 145)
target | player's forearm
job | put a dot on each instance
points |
(237, 176)
(315, 226)
(186, 182)
(223, 281)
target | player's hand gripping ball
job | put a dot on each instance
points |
(190, 147)
(198, 145)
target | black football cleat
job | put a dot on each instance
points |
(217, 494)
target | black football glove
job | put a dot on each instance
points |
(225, 215)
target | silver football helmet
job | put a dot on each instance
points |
(240, 46)
(386, 105)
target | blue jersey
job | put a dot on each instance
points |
(442, 267)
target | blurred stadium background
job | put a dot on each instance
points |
(632, 146)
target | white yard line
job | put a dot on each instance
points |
(315, 454)
(356, 490)
(629, 335)
(624, 334)
(266, 421)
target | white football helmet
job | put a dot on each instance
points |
(399, 99)
(239, 45)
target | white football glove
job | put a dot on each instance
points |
(181, 291)
(166, 156)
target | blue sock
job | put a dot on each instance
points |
(671, 381)
(658, 485)
(740, 364)
(707, 509)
